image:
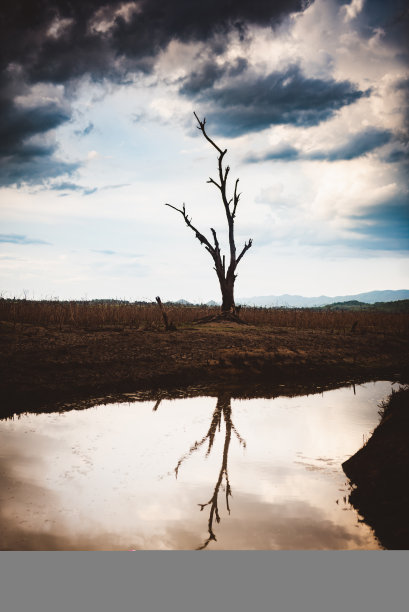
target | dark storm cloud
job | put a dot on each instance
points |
(281, 152)
(19, 239)
(91, 34)
(66, 186)
(202, 79)
(396, 155)
(187, 20)
(384, 226)
(403, 86)
(33, 169)
(58, 41)
(33, 166)
(27, 152)
(17, 124)
(358, 145)
(390, 18)
(208, 73)
(288, 97)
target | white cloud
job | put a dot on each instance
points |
(300, 213)
(43, 94)
(59, 26)
(104, 18)
(353, 9)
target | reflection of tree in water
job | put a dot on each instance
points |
(222, 411)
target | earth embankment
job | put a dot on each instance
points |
(45, 366)
(380, 473)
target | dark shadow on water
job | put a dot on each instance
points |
(272, 388)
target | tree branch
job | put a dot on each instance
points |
(214, 183)
(246, 247)
(202, 239)
(216, 242)
(222, 173)
(226, 172)
(236, 198)
(201, 127)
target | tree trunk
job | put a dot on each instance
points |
(227, 288)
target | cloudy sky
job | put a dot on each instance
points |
(97, 132)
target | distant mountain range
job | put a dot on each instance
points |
(299, 301)
(371, 297)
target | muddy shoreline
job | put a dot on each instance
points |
(61, 368)
(380, 473)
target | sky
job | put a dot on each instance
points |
(97, 133)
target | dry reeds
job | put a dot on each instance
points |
(338, 321)
(95, 314)
(140, 315)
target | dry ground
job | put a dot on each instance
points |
(42, 367)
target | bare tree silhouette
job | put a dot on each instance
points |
(227, 277)
(222, 410)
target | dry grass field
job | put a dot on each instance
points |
(65, 352)
(96, 315)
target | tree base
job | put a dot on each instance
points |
(222, 317)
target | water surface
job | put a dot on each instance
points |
(192, 473)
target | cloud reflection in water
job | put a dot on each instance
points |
(104, 478)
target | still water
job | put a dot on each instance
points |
(194, 473)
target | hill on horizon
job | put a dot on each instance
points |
(370, 297)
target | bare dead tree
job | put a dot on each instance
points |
(227, 277)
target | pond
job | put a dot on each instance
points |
(204, 472)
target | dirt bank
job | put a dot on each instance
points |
(45, 366)
(380, 471)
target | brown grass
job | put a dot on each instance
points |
(338, 321)
(89, 315)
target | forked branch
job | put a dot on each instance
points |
(246, 247)
(202, 239)
(202, 128)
